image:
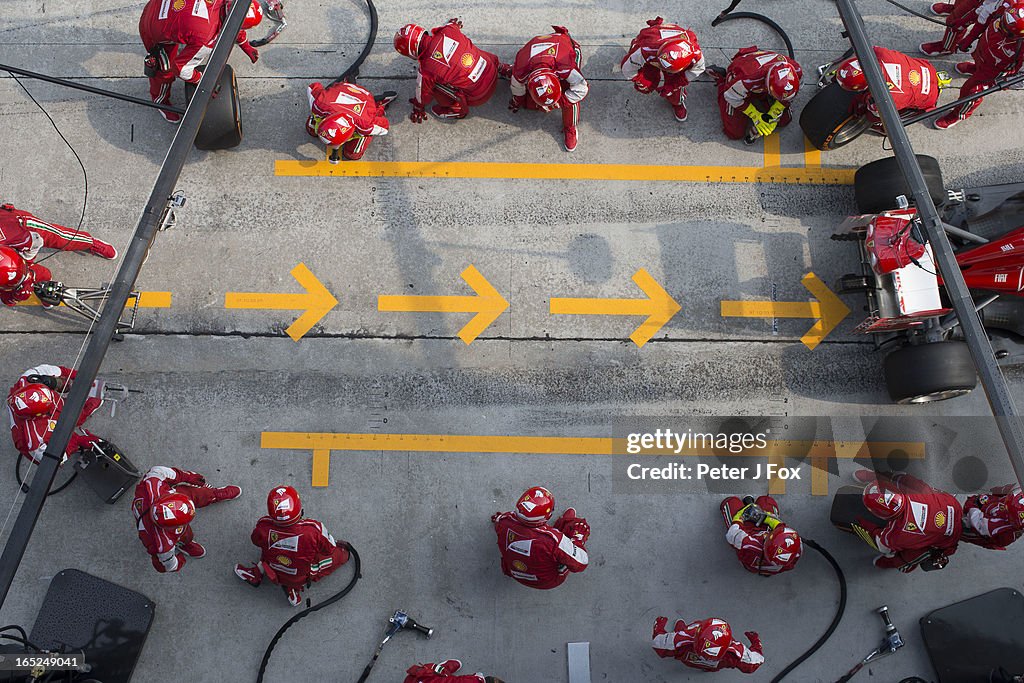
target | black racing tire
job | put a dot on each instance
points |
(826, 120)
(930, 372)
(878, 184)
(222, 126)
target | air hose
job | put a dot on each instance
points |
(356, 575)
(728, 14)
(835, 620)
(352, 72)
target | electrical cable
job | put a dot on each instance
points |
(309, 610)
(840, 610)
(352, 73)
(85, 174)
(24, 487)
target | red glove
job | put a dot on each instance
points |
(456, 21)
(755, 640)
(252, 53)
(494, 517)
(655, 21)
(190, 477)
(641, 84)
(578, 530)
(516, 103)
(419, 114)
(659, 626)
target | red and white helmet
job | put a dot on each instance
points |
(783, 547)
(335, 129)
(544, 87)
(13, 269)
(173, 510)
(676, 55)
(850, 76)
(33, 400)
(1015, 508)
(1011, 18)
(713, 639)
(254, 16)
(408, 40)
(783, 81)
(283, 504)
(881, 501)
(535, 506)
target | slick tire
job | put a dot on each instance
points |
(930, 372)
(877, 185)
(826, 120)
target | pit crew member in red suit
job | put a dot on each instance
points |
(764, 544)
(345, 115)
(445, 672)
(755, 93)
(994, 520)
(707, 645)
(34, 403)
(664, 51)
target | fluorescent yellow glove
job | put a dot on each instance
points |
(772, 521)
(760, 125)
(738, 517)
(776, 111)
(864, 535)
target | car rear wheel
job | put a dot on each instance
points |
(826, 120)
(222, 125)
(878, 184)
(930, 372)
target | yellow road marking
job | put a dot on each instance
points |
(829, 310)
(316, 302)
(658, 306)
(773, 151)
(146, 300)
(465, 169)
(487, 303)
(812, 155)
(818, 453)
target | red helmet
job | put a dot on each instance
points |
(676, 54)
(535, 506)
(335, 129)
(544, 87)
(13, 269)
(783, 81)
(783, 547)
(1012, 19)
(850, 76)
(1015, 508)
(173, 509)
(408, 40)
(283, 504)
(881, 501)
(33, 400)
(254, 16)
(713, 639)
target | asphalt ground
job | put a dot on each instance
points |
(214, 380)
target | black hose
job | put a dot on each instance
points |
(24, 488)
(352, 73)
(727, 15)
(916, 13)
(356, 575)
(835, 620)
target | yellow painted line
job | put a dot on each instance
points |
(773, 151)
(487, 303)
(146, 300)
(812, 155)
(315, 302)
(817, 452)
(658, 307)
(465, 169)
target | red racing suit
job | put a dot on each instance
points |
(25, 233)
(31, 434)
(541, 556)
(913, 84)
(966, 22)
(442, 672)
(292, 555)
(641, 66)
(748, 539)
(454, 70)
(745, 83)
(356, 104)
(681, 643)
(21, 291)
(185, 31)
(561, 54)
(996, 55)
(163, 543)
(928, 519)
(987, 521)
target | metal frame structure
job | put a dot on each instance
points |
(160, 200)
(1001, 402)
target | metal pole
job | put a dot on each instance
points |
(88, 88)
(999, 85)
(992, 379)
(100, 338)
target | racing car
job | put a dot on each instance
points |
(907, 310)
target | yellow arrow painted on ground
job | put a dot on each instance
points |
(488, 304)
(828, 309)
(316, 302)
(659, 307)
